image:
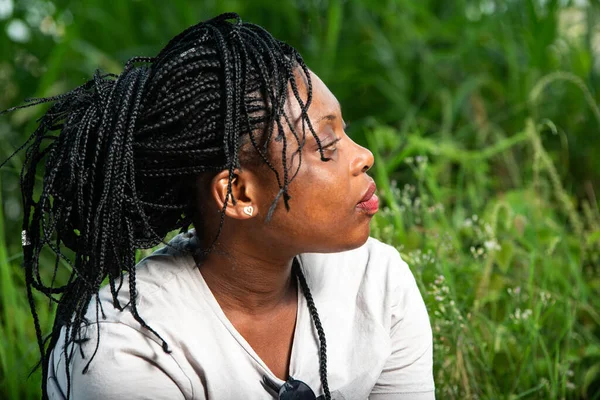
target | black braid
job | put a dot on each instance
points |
(121, 153)
(317, 321)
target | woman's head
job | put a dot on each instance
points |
(224, 118)
(328, 180)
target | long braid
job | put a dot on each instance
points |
(121, 153)
(317, 321)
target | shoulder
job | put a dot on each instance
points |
(110, 353)
(115, 343)
(369, 302)
(366, 285)
(162, 281)
(166, 302)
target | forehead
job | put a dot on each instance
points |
(323, 101)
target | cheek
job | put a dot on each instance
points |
(324, 202)
(322, 216)
(326, 188)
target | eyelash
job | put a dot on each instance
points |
(328, 147)
(332, 144)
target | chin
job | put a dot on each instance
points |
(353, 241)
(360, 240)
(343, 238)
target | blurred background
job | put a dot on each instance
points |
(483, 119)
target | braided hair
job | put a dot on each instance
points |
(121, 153)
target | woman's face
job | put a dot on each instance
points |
(325, 214)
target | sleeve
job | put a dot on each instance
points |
(408, 372)
(127, 365)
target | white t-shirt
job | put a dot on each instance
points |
(379, 340)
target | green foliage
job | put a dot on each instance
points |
(481, 115)
(509, 278)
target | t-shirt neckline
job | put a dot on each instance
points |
(297, 342)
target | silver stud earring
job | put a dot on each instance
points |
(249, 210)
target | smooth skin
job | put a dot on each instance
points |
(249, 271)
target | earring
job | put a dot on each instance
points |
(249, 210)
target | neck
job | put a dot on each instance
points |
(242, 281)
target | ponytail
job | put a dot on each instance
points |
(88, 201)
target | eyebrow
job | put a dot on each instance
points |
(331, 117)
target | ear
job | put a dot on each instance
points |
(244, 203)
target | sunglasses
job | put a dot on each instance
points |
(292, 389)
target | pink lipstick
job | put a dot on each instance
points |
(369, 202)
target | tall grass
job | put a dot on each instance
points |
(482, 116)
(508, 283)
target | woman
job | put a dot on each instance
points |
(278, 292)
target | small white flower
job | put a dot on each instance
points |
(491, 245)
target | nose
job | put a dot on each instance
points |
(363, 161)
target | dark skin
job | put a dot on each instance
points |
(249, 271)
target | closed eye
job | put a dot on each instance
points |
(332, 145)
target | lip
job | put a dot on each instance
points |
(369, 202)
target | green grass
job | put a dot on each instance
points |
(509, 285)
(483, 119)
